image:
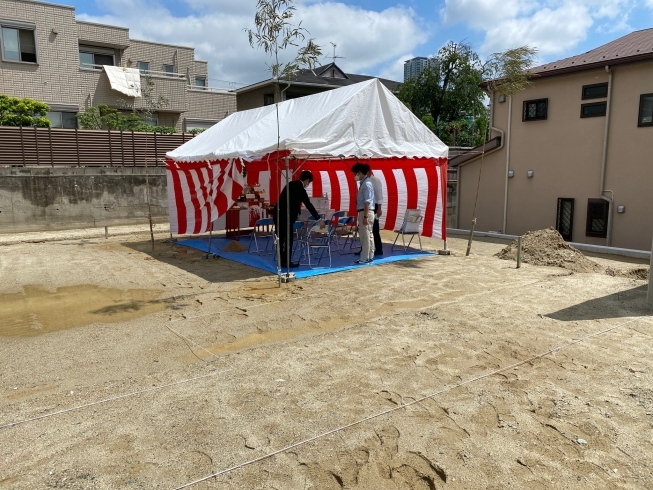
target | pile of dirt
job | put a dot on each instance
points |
(234, 247)
(640, 273)
(547, 247)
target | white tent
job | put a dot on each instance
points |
(362, 120)
(333, 128)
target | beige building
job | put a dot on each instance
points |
(573, 151)
(50, 56)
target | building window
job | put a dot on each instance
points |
(200, 82)
(268, 99)
(565, 217)
(645, 110)
(144, 67)
(62, 119)
(92, 60)
(18, 44)
(594, 109)
(535, 110)
(168, 70)
(198, 124)
(597, 218)
(595, 91)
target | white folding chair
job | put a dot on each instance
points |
(410, 226)
(317, 239)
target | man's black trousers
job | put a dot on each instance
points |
(376, 232)
(282, 231)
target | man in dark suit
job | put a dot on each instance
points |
(298, 196)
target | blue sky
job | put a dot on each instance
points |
(375, 36)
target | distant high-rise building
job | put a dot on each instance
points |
(414, 67)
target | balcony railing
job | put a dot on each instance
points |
(158, 74)
(208, 89)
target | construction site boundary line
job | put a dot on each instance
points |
(405, 405)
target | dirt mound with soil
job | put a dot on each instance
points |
(234, 247)
(547, 247)
(640, 273)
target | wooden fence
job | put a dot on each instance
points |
(48, 147)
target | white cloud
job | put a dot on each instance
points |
(395, 69)
(366, 39)
(552, 26)
(550, 31)
(479, 14)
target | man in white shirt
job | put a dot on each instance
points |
(378, 212)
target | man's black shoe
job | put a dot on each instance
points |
(378, 253)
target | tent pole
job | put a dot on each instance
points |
(208, 253)
(287, 221)
(276, 210)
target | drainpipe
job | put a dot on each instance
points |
(604, 160)
(505, 193)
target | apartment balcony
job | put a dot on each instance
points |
(96, 89)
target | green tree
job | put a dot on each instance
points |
(452, 89)
(448, 87)
(105, 117)
(23, 112)
(274, 33)
(508, 72)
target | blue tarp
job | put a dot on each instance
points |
(268, 262)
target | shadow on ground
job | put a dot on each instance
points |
(629, 303)
(215, 270)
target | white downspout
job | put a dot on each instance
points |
(505, 193)
(604, 160)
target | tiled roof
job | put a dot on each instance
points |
(631, 47)
(312, 77)
(488, 146)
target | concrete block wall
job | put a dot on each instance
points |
(206, 105)
(100, 34)
(157, 55)
(34, 199)
(199, 68)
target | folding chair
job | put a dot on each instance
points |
(298, 229)
(317, 239)
(262, 229)
(410, 226)
(343, 229)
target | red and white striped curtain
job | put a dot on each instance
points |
(407, 184)
(201, 192)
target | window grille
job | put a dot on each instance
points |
(535, 110)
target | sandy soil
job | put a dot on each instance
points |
(128, 368)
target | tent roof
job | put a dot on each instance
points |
(362, 120)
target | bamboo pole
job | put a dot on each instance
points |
(649, 300)
(147, 193)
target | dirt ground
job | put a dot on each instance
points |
(124, 367)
